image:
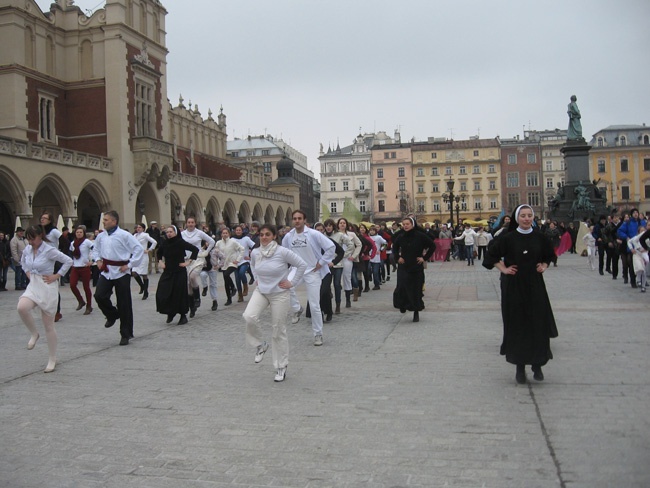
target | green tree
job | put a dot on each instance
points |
(351, 212)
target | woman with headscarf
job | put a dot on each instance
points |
(140, 272)
(522, 256)
(38, 261)
(81, 263)
(171, 295)
(412, 249)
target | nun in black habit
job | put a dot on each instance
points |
(412, 248)
(171, 294)
(522, 256)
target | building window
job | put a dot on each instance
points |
(462, 170)
(46, 119)
(646, 164)
(434, 171)
(601, 165)
(532, 179)
(512, 180)
(421, 206)
(346, 185)
(420, 171)
(402, 185)
(492, 168)
(400, 172)
(476, 154)
(463, 186)
(268, 167)
(512, 159)
(436, 206)
(477, 185)
(144, 109)
(362, 206)
(435, 188)
(380, 186)
(549, 183)
(493, 185)
(333, 207)
(266, 152)
(250, 153)
(380, 172)
(532, 158)
(382, 205)
(477, 169)
(434, 155)
(625, 192)
(493, 203)
(647, 191)
(646, 140)
(420, 187)
(235, 154)
(624, 166)
(600, 142)
(463, 206)
(477, 205)
(623, 140)
(332, 185)
(549, 165)
(362, 184)
(448, 170)
(513, 200)
(562, 165)
(533, 199)
(390, 155)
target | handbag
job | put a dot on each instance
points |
(475, 254)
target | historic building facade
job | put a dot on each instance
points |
(552, 163)
(390, 167)
(620, 162)
(521, 174)
(86, 126)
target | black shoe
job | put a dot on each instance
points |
(251, 281)
(625, 281)
(183, 320)
(328, 317)
(521, 374)
(205, 291)
(110, 323)
(608, 271)
(416, 316)
(141, 291)
(387, 278)
(366, 289)
(192, 314)
(145, 295)
(613, 277)
(402, 310)
(537, 373)
(124, 341)
(376, 287)
(601, 272)
(214, 306)
(228, 302)
(197, 302)
(170, 317)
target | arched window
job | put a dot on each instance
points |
(623, 140)
(600, 142)
(646, 140)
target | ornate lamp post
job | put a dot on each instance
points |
(448, 198)
(458, 199)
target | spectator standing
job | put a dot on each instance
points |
(17, 246)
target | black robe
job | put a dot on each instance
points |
(410, 275)
(528, 321)
(171, 294)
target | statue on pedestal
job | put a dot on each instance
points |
(574, 133)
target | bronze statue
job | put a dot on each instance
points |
(575, 127)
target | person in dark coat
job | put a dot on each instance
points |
(412, 248)
(522, 256)
(171, 295)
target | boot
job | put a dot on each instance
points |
(240, 297)
(197, 297)
(416, 316)
(338, 308)
(214, 305)
(192, 309)
(145, 295)
(245, 293)
(145, 288)
(355, 294)
(229, 301)
(205, 291)
(89, 310)
(367, 289)
(182, 320)
(348, 293)
(81, 305)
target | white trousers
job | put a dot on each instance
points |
(212, 275)
(255, 310)
(347, 274)
(312, 281)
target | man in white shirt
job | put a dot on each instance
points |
(317, 251)
(116, 251)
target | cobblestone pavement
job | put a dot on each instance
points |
(384, 403)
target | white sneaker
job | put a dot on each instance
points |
(296, 316)
(261, 349)
(318, 340)
(281, 374)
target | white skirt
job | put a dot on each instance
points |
(143, 268)
(45, 296)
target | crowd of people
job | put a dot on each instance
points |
(336, 261)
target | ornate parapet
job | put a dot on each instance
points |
(54, 154)
(226, 187)
(152, 160)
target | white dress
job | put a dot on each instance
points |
(144, 239)
(44, 295)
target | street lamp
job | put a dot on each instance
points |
(448, 198)
(458, 199)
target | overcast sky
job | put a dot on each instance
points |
(315, 71)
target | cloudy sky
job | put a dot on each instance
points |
(318, 71)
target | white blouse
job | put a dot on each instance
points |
(85, 248)
(43, 262)
(232, 251)
(195, 238)
(143, 238)
(248, 244)
(269, 272)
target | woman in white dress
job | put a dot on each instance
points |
(140, 272)
(43, 290)
(195, 237)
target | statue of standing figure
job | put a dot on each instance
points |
(575, 127)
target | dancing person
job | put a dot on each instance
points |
(209, 273)
(17, 245)
(52, 236)
(116, 252)
(375, 262)
(412, 249)
(367, 254)
(522, 255)
(233, 253)
(81, 248)
(628, 230)
(349, 276)
(317, 251)
(469, 240)
(483, 238)
(195, 236)
(244, 264)
(271, 264)
(140, 272)
(154, 232)
(171, 294)
(590, 242)
(337, 268)
(639, 257)
(38, 261)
